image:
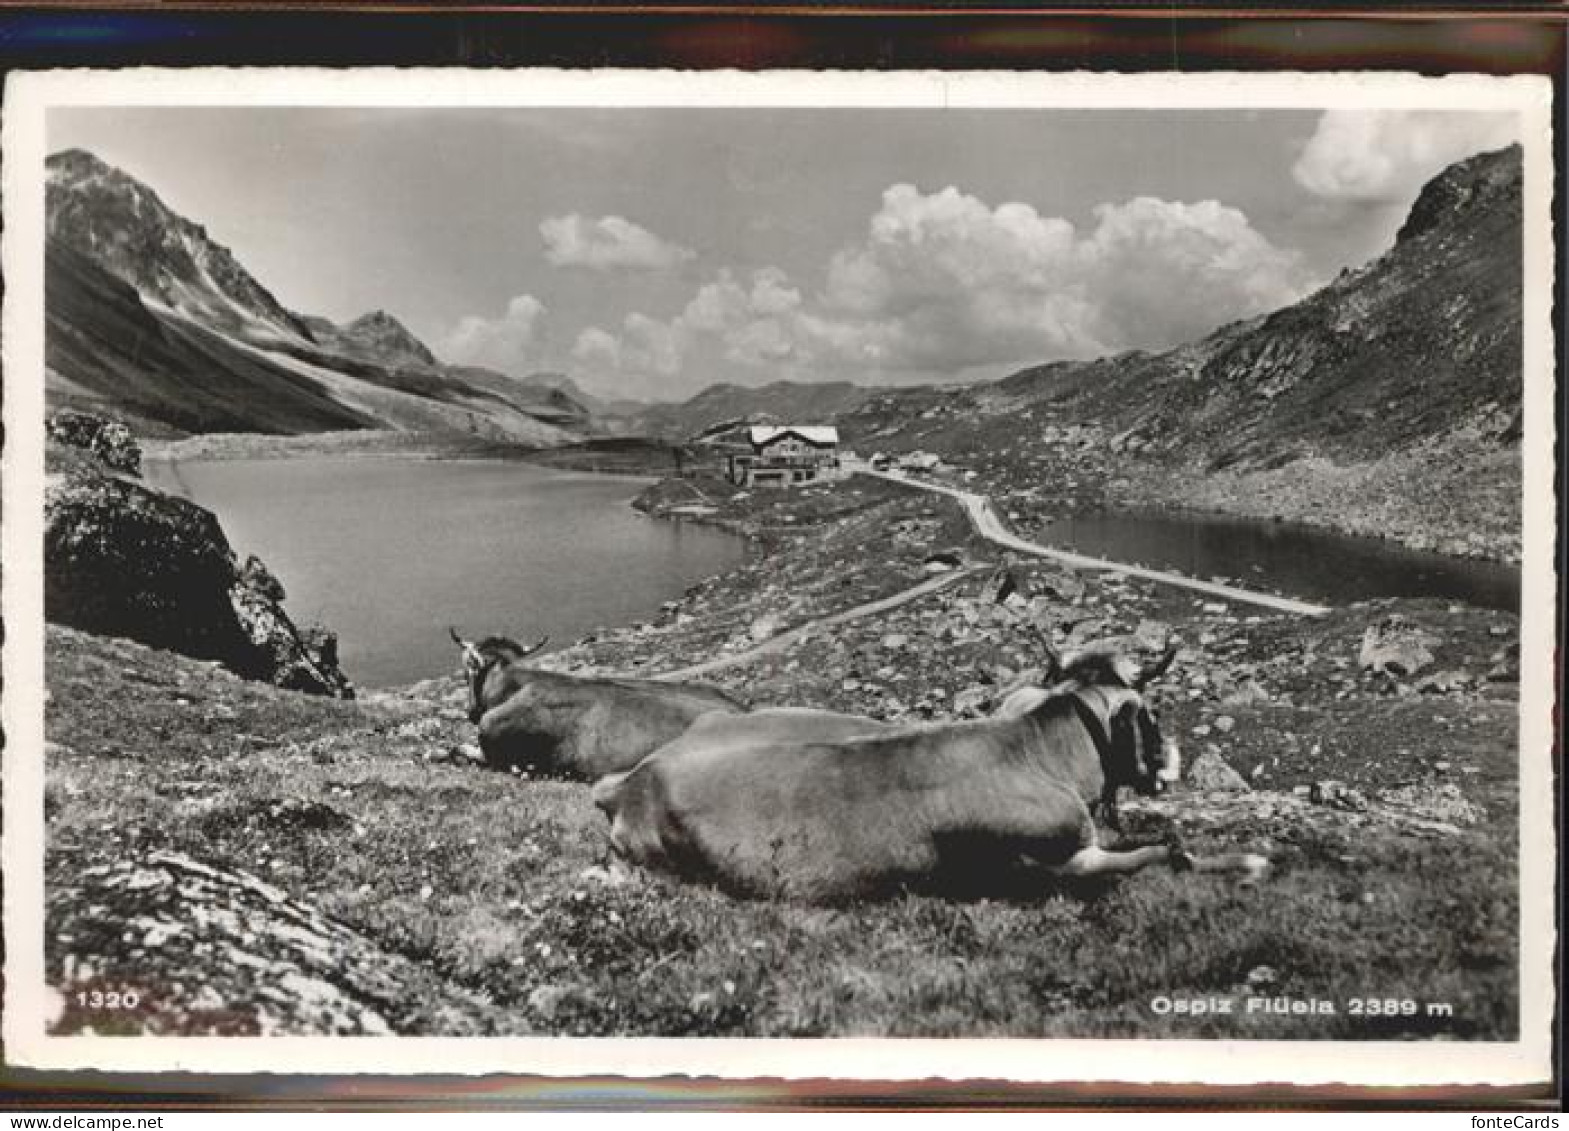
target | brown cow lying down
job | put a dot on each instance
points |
(571, 726)
(822, 807)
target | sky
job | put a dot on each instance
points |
(649, 253)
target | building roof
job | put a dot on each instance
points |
(813, 434)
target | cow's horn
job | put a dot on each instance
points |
(456, 639)
(543, 640)
(1153, 671)
(1053, 657)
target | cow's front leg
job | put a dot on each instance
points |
(1249, 865)
(509, 736)
(1097, 861)
(1109, 813)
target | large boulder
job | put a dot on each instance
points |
(213, 951)
(107, 439)
(123, 560)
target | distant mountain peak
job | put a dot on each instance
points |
(1463, 186)
(78, 161)
(385, 339)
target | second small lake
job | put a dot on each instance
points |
(1279, 557)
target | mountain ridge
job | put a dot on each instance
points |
(150, 318)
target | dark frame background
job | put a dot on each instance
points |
(1501, 39)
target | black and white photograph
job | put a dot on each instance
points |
(709, 562)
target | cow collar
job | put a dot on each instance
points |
(1097, 728)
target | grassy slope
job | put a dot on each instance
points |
(504, 889)
(116, 355)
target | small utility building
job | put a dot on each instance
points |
(780, 455)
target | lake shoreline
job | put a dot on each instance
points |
(389, 549)
(640, 456)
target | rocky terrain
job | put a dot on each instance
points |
(123, 560)
(356, 855)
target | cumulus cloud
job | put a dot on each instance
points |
(1385, 156)
(746, 322)
(507, 343)
(944, 284)
(1160, 273)
(608, 243)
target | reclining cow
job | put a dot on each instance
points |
(860, 808)
(560, 725)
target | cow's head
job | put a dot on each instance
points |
(482, 660)
(1112, 686)
(1142, 757)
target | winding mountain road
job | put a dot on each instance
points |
(785, 639)
(984, 517)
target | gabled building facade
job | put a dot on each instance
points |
(782, 455)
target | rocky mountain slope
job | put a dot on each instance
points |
(1387, 403)
(1422, 342)
(150, 319)
(128, 230)
(106, 350)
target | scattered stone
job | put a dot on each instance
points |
(1337, 795)
(1063, 586)
(545, 1002)
(1152, 635)
(1262, 977)
(1443, 683)
(1225, 724)
(103, 436)
(971, 702)
(1210, 773)
(1245, 695)
(1396, 647)
(764, 628)
(1440, 802)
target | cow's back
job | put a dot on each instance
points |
(586, 727)
(831, 820)
(620, 722)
